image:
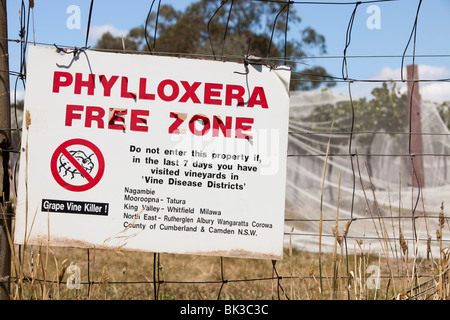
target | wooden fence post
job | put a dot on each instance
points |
(5, 143)
(416, 127)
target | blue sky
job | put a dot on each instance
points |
(389, 38)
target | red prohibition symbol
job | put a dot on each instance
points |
(77, 160)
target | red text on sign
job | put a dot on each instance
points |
(200, 125)
(167, 90)
(117, 119)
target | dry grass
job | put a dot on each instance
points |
(44, 273)
(350, 272)
(105, 274)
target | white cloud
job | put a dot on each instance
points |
(426, 72)
(434, 91)
(96, 32)
(388, 73)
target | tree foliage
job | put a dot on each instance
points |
(387, 111)
(228, 30)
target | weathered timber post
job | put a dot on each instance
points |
(416, 127)
(5, 143)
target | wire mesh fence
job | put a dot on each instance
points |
(365, 201)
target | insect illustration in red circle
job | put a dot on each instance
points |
(80, 156)
(77, 165)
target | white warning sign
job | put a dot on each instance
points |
(152, 153)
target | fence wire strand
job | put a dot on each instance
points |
(281, 293)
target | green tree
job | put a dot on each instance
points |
(228, 30)
(108, 41)
(387, 111)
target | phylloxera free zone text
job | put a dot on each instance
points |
(168, 90)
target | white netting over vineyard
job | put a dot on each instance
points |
(387, 191)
